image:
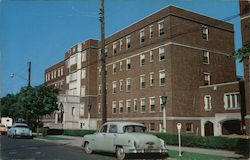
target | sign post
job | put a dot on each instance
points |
(179, 137)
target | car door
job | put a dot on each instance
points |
(99, 138)
(105, 138)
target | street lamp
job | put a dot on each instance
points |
(89, 108)
(164, 104)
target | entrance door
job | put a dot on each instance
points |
(209, 129)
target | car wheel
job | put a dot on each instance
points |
(120, 153)
(87, 148)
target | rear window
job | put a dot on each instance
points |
(134, 128)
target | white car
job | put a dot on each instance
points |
(124, 138)
(19, 130)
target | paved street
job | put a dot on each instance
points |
(29, 149)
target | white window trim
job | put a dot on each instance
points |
(121, 86)
(137, 105)
(151, 54)
(144, 77)
(114, 87)
(150, 78)
(127, 106)
(160, 77)
(206, 73)
(141, 105)
(205, 103)
(231, 100)
(127, 84)
(142, 57)
(121, 102)
(208, 56)
(114, 47)
(151, 29)
(142, 34)
(114, 105)
(164, 52)
(150, 100)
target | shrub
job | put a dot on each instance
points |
(71, 132)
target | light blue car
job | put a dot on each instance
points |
(19, 130)
(124, 138)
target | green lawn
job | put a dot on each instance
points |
(51, 138)
(195, 156)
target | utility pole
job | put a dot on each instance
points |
(29, 73)
(103, 63)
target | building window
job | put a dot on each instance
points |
(161, 53)
(81, 112)
(189, 128)
(142, 81)
(162, 77)
(114, 87)
(58, 72)
(151, 127)
(106, 50)
(114, 107)
(151, 79)
(128, 63)
(161, 104)
(142, 59)
(83, 73)
(151, 56)
(100, 89)
(205, 57)
(142, 36)
(73, 77)
(83, 90)
(120, 65)
(99, 108)
(120, 44)
(205, 33)
(208, 102)
(161, 28)
(84, 56)
(152, 104)
(143, 105)
(121, 85)
(120, 107)
(73, 59)
(128, 42)
(100, 72)
(128, 84)
(206, 79)
(128, 105)
(135, 105)
(151, 31)
(114, 68)
(232, 101)
(73, 110)
(62, 71)
(114, 48)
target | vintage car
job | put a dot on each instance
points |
(3, 129)
(19, 130)
(124, 138)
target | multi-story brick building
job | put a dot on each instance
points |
(172, 53)
(245, 31)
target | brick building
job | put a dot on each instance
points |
(245, 31)
(172, 53)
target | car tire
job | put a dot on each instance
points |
(87, 148)
(120, 154)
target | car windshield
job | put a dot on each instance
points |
(21, 126)
(134, 128)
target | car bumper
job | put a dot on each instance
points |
(147, 151)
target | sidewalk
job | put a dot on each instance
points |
(77, 142)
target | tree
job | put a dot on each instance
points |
(30, 104)
(242, 53)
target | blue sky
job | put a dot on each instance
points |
(41, 31)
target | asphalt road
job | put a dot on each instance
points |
(30, 149)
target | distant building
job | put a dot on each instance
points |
(245, 31)
(172, 53)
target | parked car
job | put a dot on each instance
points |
(3, 129)
(19, 130)
(124, 138)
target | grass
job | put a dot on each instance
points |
(52, 138)
(195, 156)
